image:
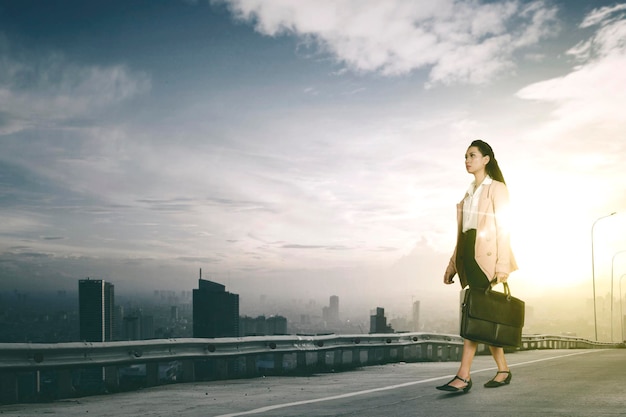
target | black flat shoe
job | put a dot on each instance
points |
(449, 388)
(495, 384)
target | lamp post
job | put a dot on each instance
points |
(612, 268)
(593, 275)
(621, 313)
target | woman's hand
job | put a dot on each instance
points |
(500, 278)
(447, 278)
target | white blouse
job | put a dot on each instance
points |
(470, 204)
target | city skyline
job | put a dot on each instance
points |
(305, 148)
(49, 317)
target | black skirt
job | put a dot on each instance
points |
(466, 265)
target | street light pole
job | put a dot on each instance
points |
(621, 313)
(593, 275)
(612, 268)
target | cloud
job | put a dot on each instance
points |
(47, 89)
(14, 223)
(456, 41)
(589, 98)
(325, 247)
(198, 259)
(601, 15)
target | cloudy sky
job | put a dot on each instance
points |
(305, 147)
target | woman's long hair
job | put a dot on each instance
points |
(492, 168)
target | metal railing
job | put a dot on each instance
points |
(30, 372)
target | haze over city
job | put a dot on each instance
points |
(307, 148)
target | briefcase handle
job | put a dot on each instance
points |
(507, 290)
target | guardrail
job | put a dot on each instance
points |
(35, 372)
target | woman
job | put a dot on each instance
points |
(482, 256)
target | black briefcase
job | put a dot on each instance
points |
(492, 317)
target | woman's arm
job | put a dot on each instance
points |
(450, 270)
(500, 198)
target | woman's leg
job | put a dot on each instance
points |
(469, 269)
(498, 356)
(467, 357)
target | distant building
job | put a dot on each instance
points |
(415, 323)
(174, 314)
(276, 325)
(138, 326)
(262, 326)
(378, 322)
(132, 328)
(215, 311)
(400, 324)
(96, 307)
(252, 326)
(330, 314)
(147, 326)
(118, 323)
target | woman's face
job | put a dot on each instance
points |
(474, 160)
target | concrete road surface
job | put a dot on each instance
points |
(545, 383)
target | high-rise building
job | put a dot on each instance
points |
(96, 307)
(333, 309)
(415, 322)
(330, 314)
(378, 322)
(215, 311)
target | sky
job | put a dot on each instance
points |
(306, 148)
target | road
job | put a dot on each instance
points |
(545, 383)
